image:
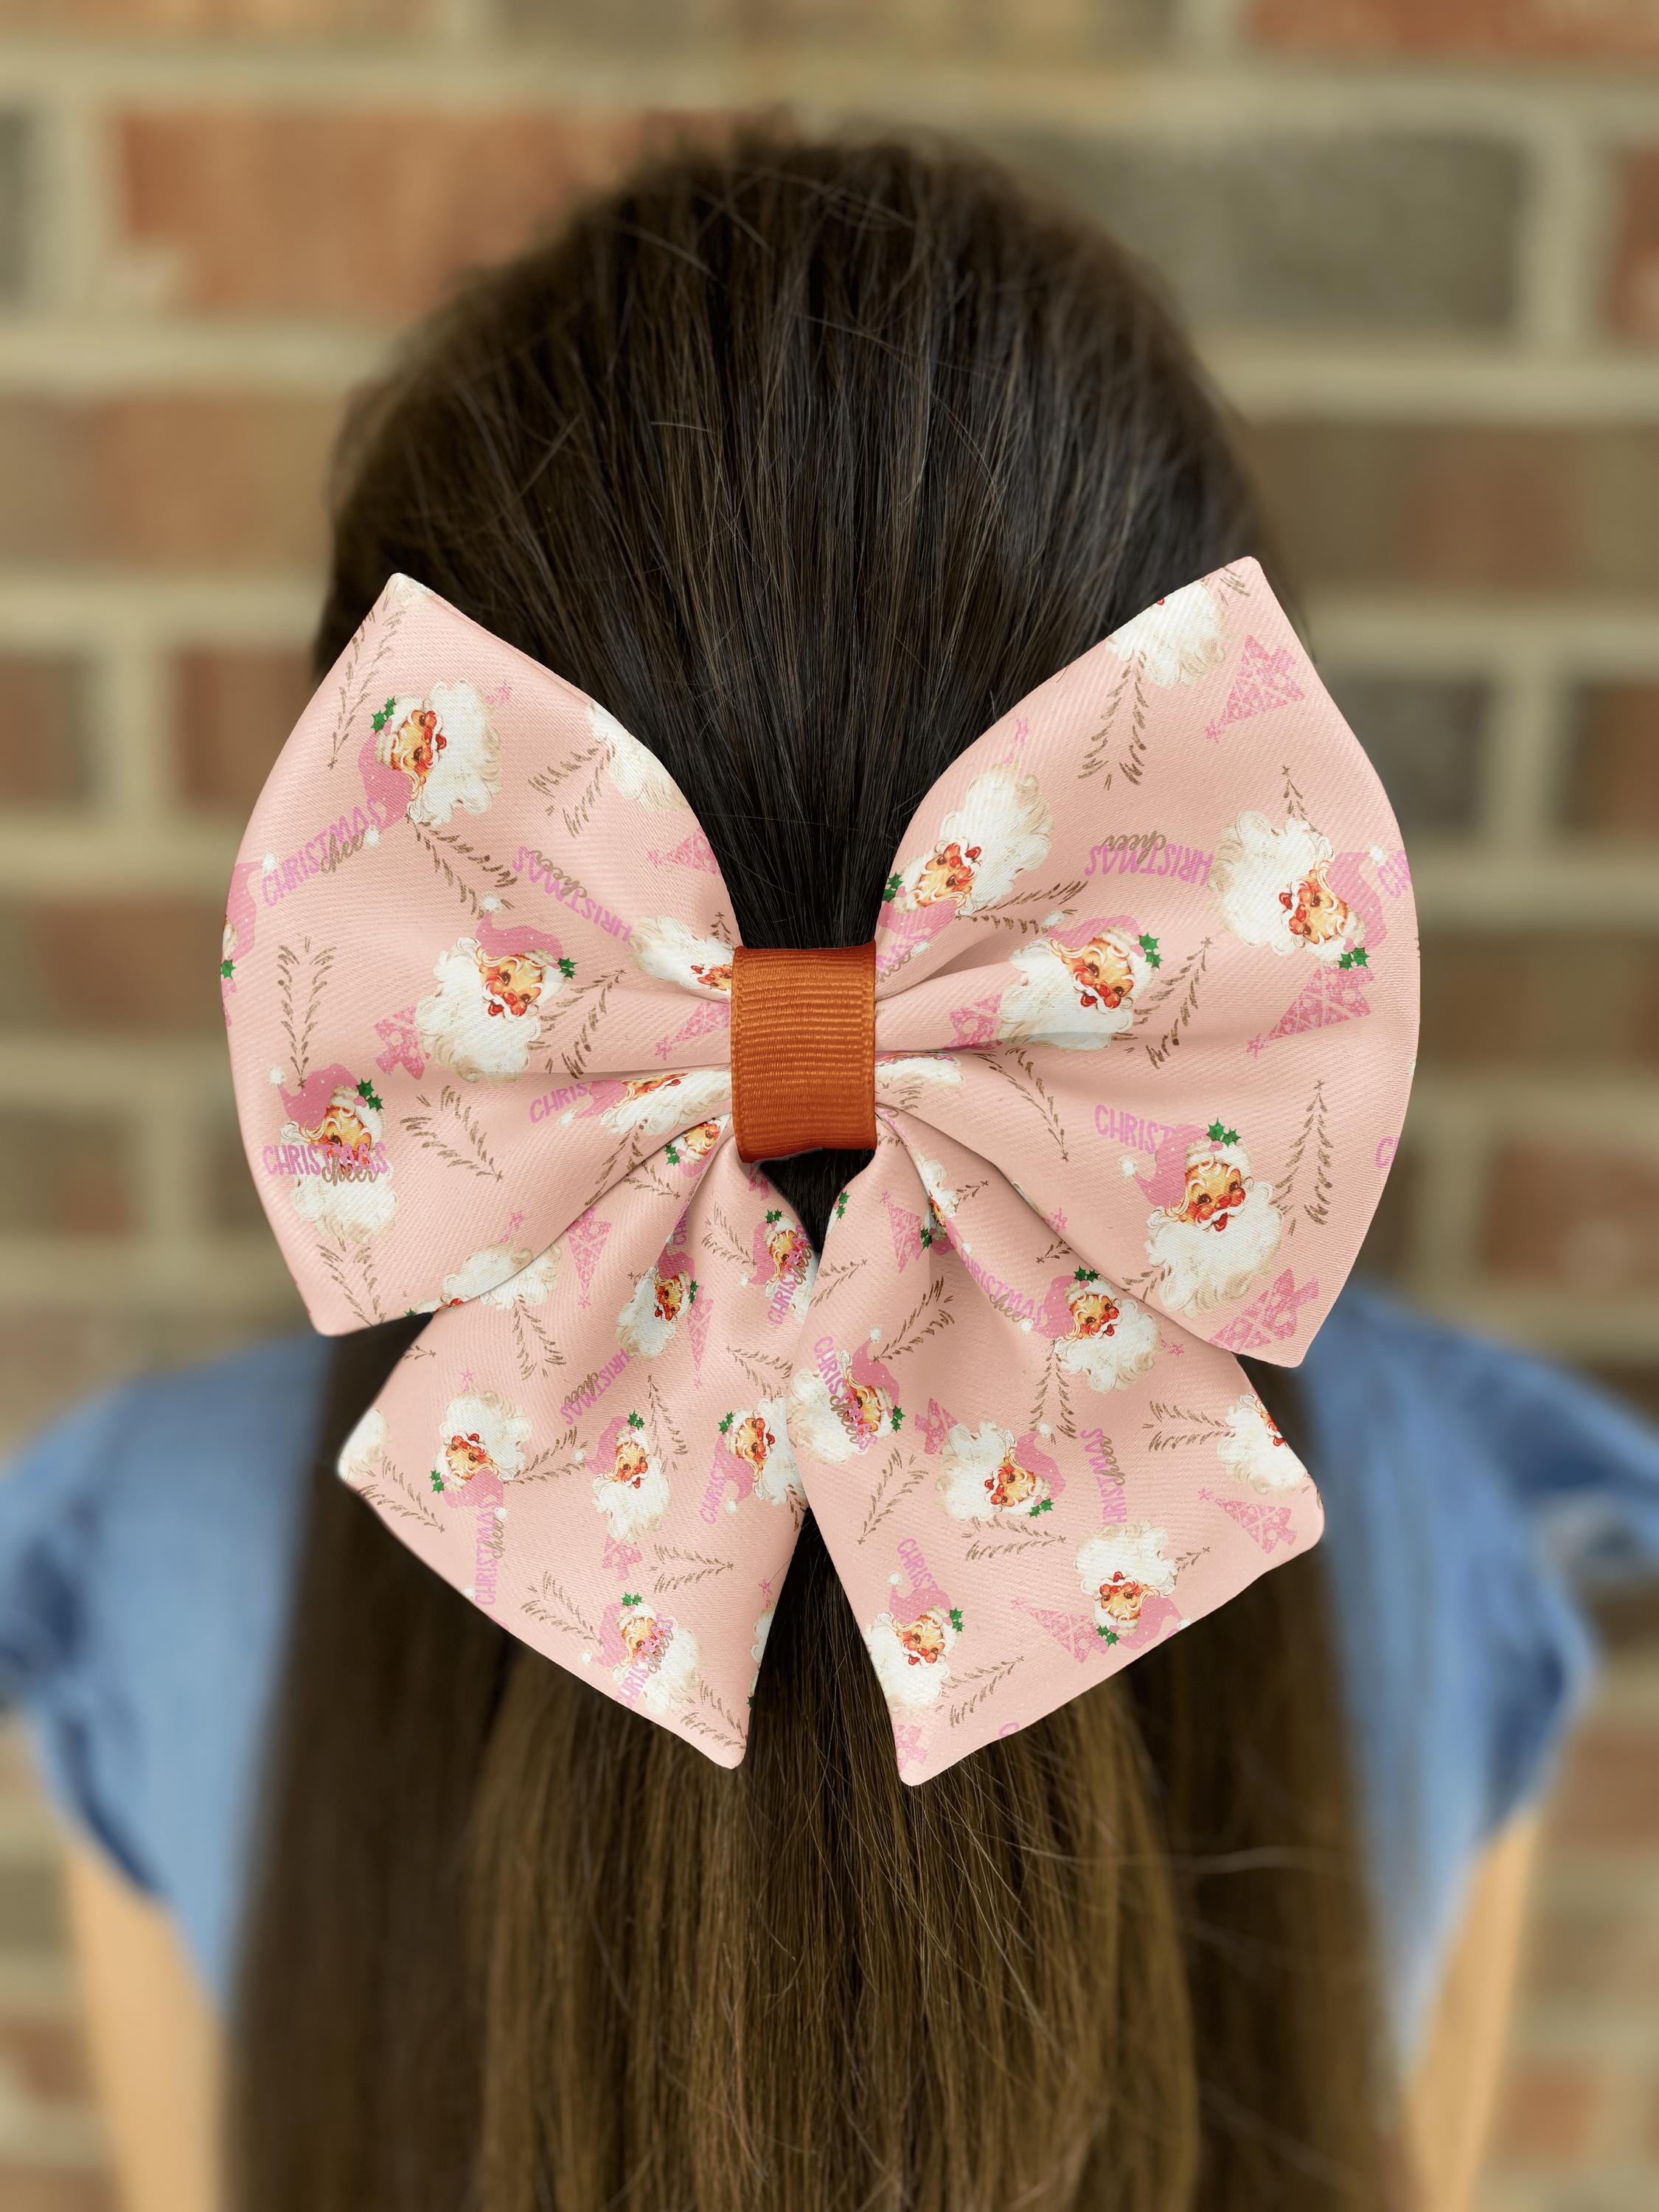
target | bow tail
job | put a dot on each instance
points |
(594, 1452)
(1049, 1477)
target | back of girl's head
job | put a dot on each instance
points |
(807, 461)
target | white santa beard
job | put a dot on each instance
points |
(778, 1480)
(498, 1425)
(1043, 1006)
(898, 1072)
(971, 1460)
(666, 949)
(1112, 1363)
(352, 1211)
(466, 773)
(1248, 1451)
(1204, 1267)
(627, 1512)
(1135, 1552)
(636, 774)
(1179, 641)
(501, 1277)
(673, 1680)
(701, 1095)
(640, 1328)
(363, 1447)
(455, 1026)
(913, 1687)
(1005, 815)
(1255, 864)
(815, 1427)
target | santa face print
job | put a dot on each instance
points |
(1214, 1188)
(632, 1490)
(1120, 1600)
(484, 1018)
(789, 1249)
(753, 1440)
(1094, 1312)
(341, 1132)
(465, 1457)
(660, 1658)
(1109, 1339)
(645, 1326)
(1120, 1570)
(1274, 888)
(912, 1657)
(666, 949)
(1002, 828)
(985, 1476)
(699, 1141)
(1315, 913)
(445, 747)
(1078, 997)
(946, 874)
(1254, 1449)
(656, 1105)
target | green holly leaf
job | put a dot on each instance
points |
(898, 1417)
(380, 719)
(1218, 1134)
(365, 1092)
(892, 890)
(776, 1214)
(956, 1619)
(636, 1421)
(1107, 1635)
(1358, 958)
(840, 1205)
(673, 1155)
(1149, 946)
(227, 969)
(567, 968)
(437, 1479)
(727, 1422)
(927, 1235)
(1086, 1275)
(631, 1597)
(1047, 1506)
(692, 1295)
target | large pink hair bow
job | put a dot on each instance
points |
(1144, 1007)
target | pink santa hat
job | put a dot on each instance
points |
(502, 942)
(306, 1106)
(1167, 1183)
(1028, 1451)
(385, 788)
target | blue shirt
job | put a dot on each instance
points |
(148, 1546)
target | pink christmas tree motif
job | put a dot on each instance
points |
(1075, 1633)
(977, 1025)
(693, 851)
(708, 1014)
(1262, 683)
(935, 1424)
(403, 1044)
(907, 1227)
(618, 1558)
(1330, 996)
(587, 1237)
(907, 1741)
(696, 1330)
(1270, 1526)
(1269, 1317)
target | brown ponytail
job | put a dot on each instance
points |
(808, 461)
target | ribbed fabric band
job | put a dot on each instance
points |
(803, 1050)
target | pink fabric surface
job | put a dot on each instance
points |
(1146, 1006)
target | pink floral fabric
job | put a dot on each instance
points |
(1146, 1003)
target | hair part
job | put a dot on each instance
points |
(807, 461)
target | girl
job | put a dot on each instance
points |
(809, 461)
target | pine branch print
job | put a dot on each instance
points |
(359, 678)
(299, 1028)
(527, 1330)
(685, 1567)
(722, 1240)
(1158, 1052)
(887, 1497)
(1034, 1090)
(1313, 1141)
(555, 1605)
(1009, 1547)
(576, 1056)
(1294, 802)
(1094, 758)
(765, 1372)
(1189, 1428)
(831, 1280)
(726, 1730)
(989, 1679)
(931, 1313)
(477, 1158)
(546, 783)
(335, 1263)
(662, 1421)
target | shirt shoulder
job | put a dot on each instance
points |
(147, 1549)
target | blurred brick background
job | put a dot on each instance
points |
(1419, 240)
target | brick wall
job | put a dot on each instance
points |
(1421, 241)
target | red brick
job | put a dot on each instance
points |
(1633, 302)
(133, 966)
(233, 709)
(359, 214)
(1547, 2114)
(1607, 1796)
(1591, 30)
(223, 480)
(1466, 506)
(47, 2059)
(43, 756)
(1572, 999)
(1581, 1218)
(37, 2189)
(1612, 785)
(65, 1175)
(260, 19)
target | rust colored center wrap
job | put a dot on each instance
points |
(803, 1050)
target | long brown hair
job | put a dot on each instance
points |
(808, 461)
